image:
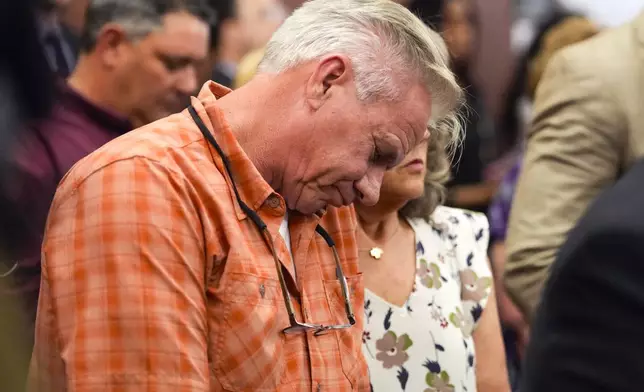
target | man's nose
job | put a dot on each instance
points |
(368, 187)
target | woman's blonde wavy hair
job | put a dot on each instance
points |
(445, 135)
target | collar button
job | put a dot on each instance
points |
(274, 205)
(273, 201)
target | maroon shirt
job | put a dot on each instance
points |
(44, 152)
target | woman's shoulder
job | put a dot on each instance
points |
(455, 224)
(454, 218)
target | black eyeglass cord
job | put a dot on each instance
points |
(247, 210)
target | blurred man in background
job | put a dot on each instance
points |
(136, 62)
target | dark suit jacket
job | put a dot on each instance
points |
(588, 334)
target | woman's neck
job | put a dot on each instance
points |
(378, 224)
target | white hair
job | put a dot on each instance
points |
(388, 46)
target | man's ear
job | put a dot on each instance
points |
(331, 71)
(110, 43)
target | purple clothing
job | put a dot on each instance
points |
(44, 152)
(499, 211)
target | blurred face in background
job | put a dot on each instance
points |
(257, 20)
(153, 75)
(459, 30)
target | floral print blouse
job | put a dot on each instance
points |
(427, 344)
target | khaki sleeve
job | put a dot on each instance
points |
(574, 150)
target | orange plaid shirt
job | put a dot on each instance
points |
(154, 279)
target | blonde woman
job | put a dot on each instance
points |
(431, 320)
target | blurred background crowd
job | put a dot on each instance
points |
(64, 93)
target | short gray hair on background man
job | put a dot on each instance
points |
(137, 17)
(389, 48)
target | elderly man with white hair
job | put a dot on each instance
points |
(213, 250)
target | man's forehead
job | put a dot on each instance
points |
(181, 35)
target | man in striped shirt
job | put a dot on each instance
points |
(213, 250)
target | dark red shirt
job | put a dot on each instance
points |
(44, 152)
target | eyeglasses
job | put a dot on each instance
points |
(296, 326)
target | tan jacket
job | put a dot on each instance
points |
(588, 128)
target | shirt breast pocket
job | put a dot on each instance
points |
(249, 346)
(349, 340)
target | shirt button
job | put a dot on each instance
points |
(275, 205)
(273, 201)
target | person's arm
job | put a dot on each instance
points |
(574, 150)
(124, 285)
(509, 313)
(491, 369)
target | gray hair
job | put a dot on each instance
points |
(389, 48)
(137, 17)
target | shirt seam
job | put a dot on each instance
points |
(157, 162)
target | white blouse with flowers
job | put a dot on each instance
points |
(427, 344)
